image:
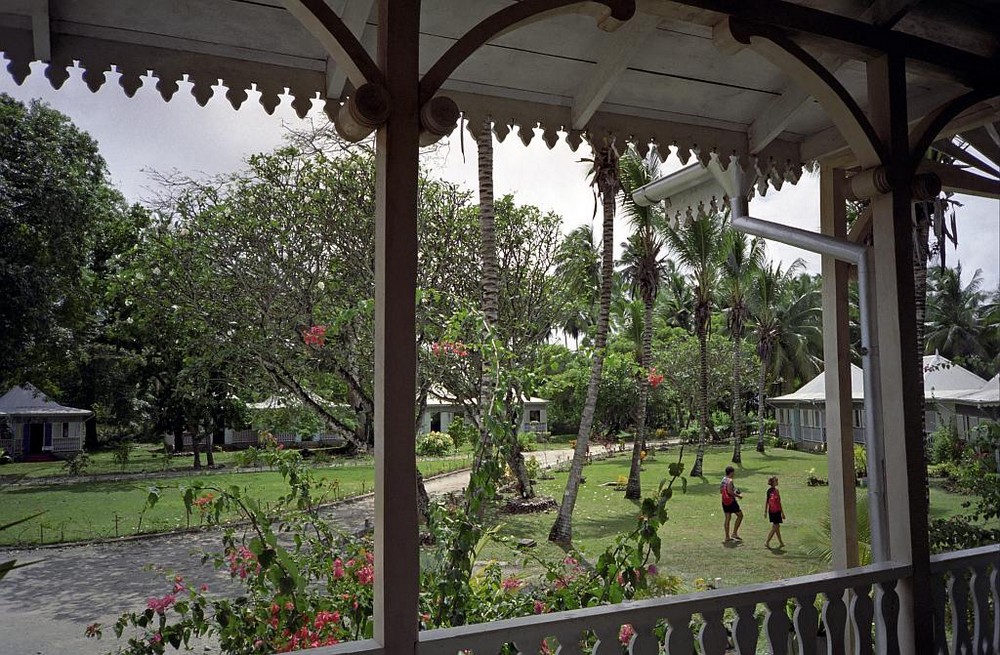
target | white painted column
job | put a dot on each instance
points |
(837, 373)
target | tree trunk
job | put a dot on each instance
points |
(196, 447)
(562, 529)
(737, 399)
(633, 490)
(761, 390)
(699, 458)
(210, 451)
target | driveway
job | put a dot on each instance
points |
(45, 607)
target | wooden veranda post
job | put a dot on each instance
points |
(837, 372)
(397, 567)
(901, 379)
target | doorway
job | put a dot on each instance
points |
(36, 438)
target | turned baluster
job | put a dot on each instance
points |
(981, 628)
(862, 615)
(995, 587)
(646, 643)
(777, 627)
(607, 640)
(746, 630)
(806, 622)
(958, 596)
(887, 617)
(713, 637)
(835, 621)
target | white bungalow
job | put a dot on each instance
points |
(801, 415)
(33, 425)
(442, 409)
(979, 406)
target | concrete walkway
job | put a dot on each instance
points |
(44, 608)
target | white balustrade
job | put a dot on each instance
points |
(965, 596)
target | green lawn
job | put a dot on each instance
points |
(143, 459)
(693, 534)
(89, 510)
(692, 537)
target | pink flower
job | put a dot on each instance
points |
(161, 605)
(203, 588)
(365, 575)
(510, 584)
(652, 570)
(625, 634)
(156, 638)
(338, 569)
(539, 607)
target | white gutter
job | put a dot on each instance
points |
(736, 187)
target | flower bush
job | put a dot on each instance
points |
(314, 587)
(435, 444)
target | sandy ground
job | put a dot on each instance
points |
(44, 608)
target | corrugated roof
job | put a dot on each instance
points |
(943, 380)
(27, 400)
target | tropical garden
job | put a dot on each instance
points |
(167, 318)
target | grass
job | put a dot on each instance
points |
(693, 535)
(145, 458)
(99, 510)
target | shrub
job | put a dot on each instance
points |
(661, 434)
(435, 444)
(123, 453)
(945, 445)
(533, 468)
(527, 441)
(860, 461)
(77, 463)
(463, 432)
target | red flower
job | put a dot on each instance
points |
(654, 378)
(315, 336)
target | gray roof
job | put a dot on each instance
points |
(988, 395)
(27, 400)
(943, 380)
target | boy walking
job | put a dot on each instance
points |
(774, 511)
(730, 505)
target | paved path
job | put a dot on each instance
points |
(44, 608)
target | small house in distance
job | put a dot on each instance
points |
(32, 425)
(442, 409)
(801, 414)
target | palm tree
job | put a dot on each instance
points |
(578, 266)
(743, 256)
(676, 303)
(644, 270)
(604, 178)
(488, 387)
(698, 248)
(955, 316)
(784, 319)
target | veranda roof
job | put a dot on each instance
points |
(27, 400)
(943, 380)
(682, 75)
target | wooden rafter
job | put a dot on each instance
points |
(620, 50)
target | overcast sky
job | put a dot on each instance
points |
(144, 133)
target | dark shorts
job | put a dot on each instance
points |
(731, 508)
(775, 517)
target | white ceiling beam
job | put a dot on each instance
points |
(620, 48)
(958, 180)
(356, 13)
(41, 34)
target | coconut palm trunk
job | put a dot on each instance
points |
(702, 317)
(737, 394)
(633, 490)
(761, 390)
(605, 177)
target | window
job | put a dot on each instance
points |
(65, 431)
(534, 416)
